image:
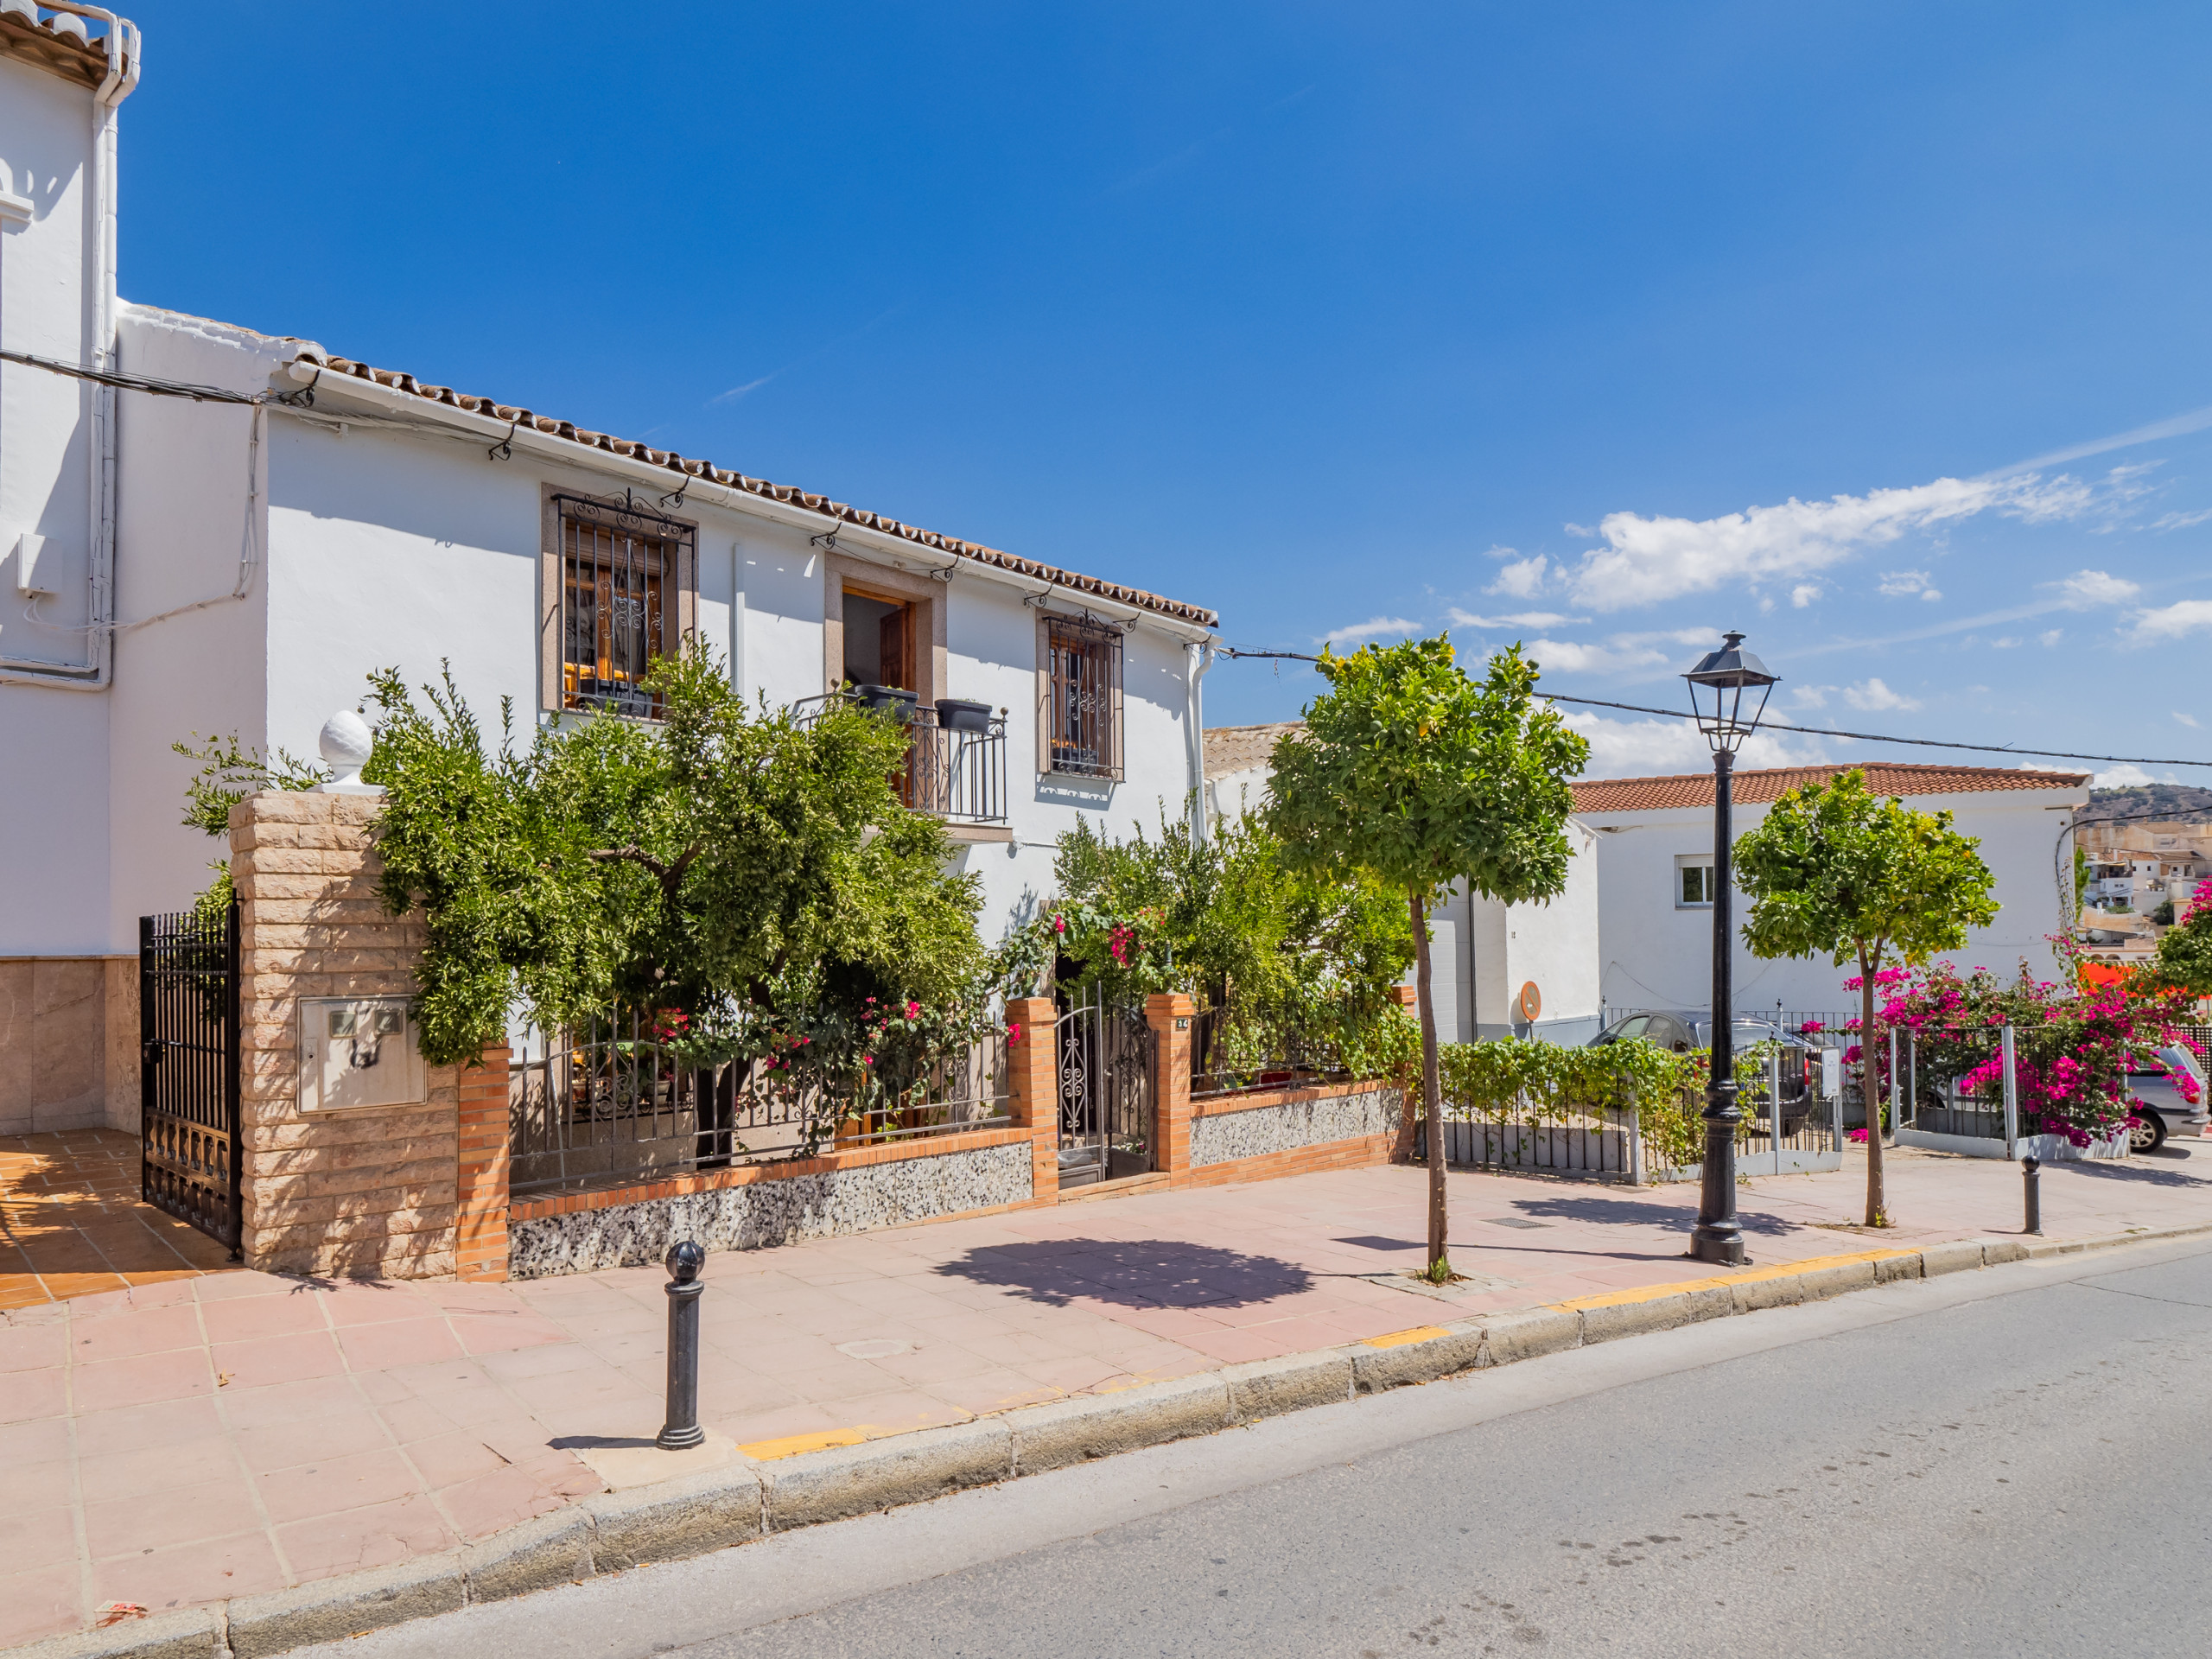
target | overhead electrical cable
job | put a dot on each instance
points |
(1809, 731)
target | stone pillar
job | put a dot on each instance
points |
(1168, 1013)
(480, 1201)
(1034, 1090)
(366, 1191)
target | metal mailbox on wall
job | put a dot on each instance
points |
(357, 1050)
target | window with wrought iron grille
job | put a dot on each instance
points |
(624, 573)
(1083, 697)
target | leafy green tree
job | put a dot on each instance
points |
(1834, 871)
(1411, 771)
(742, 867)
(1295, 960)
(2184, 959)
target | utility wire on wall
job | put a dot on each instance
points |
(1809, 731)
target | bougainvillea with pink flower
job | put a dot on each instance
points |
(2071, 1048)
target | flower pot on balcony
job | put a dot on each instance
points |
(959, 715)
(900, 703)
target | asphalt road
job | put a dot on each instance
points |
(2012, 1462)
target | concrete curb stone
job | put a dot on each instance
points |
(666, 1523)
(1891, 1268)
(1459, 1349)
(550, 1550)
(194, 1633)
(1076, 1431)
(1997, 1251)
(330, 1610)
(1954, 1257)
(1659, 1313)
(1787, 1290)
(1530, 1335)
(1268, 1387)
(849, 1480)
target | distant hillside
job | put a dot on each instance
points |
(2176, 802)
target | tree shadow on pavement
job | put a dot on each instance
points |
(1131, 1273)
(2143, 1169)
(1629, 1212)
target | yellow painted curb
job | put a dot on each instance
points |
(1399, 1338)
(792, 1445)
(1780, 1270)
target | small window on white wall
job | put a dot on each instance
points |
(1692, 883)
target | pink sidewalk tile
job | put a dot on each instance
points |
(41, 1601)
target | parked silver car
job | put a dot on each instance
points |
(2160, 1108)
(1683, 1032)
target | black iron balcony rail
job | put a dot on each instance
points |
(955, 752)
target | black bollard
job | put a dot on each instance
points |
(2031, 1178)
(682, 1430)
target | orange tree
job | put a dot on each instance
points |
(1834, 871)
(1409, 771)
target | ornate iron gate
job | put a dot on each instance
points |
(189, 1069)
(1106, 1105)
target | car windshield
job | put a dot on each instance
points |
(1742, 1033)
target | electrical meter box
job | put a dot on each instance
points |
(357, 1050)
(1831, 1074)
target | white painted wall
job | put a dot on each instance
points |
(53, 779)
(1657, 955)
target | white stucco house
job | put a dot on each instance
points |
(240, 562)
(1491, 963)
(1655, 863)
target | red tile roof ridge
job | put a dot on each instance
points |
(398, 380)
(1766, 783)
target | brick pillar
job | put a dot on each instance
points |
(480, 1195)
(1032, 1060)
(1409, 998)
(1168, 1013)
(367, 1191)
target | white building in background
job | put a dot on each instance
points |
(1498, 970)
(171, 567)
(1655, 864)
(1634, 928)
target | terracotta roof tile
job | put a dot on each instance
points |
(551, 426)
(59, 44)
(1240, 748)
(1883, 778)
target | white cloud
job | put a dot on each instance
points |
(1376, 627)
(2050, 635)
(1523, 579)
(1810, 696)
(1903, 584)
(1572, 657)
(2006, 644)
(1872, 695)
(2127, 777)
(1648, 559)
(1460, 618)
(1804, 593)
(2173, 621)
(2086, 587)
(2181, 521)
(736, 392)
(1641, 748)
(2189, 720)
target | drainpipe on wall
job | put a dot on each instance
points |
(1201, 653)
(122, 47)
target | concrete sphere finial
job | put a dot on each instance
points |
(347, 744)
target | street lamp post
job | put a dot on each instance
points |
(1717, 686)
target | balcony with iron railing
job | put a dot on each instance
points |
(956, 751)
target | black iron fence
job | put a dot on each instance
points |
(1231, 1051)
(1600, 1143)
(955, 754)
(188, 1068)
(1105, 1053)
(615, 1101)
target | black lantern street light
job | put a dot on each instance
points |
(1719, 685)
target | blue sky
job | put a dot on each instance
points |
(1879, 331)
